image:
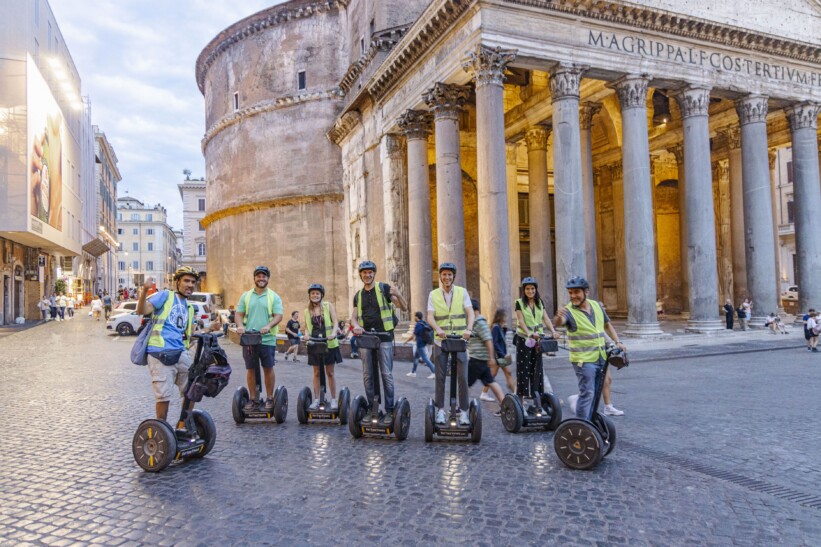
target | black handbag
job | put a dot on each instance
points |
(454, 345)
(250, 339)
(368, 341)
(317, 348)
(549, 346)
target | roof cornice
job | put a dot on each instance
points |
(295, 9)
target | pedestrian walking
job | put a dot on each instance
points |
(107, 305)
(807, 334)
(423, 335)
(482, 354)
(813, 329)
(96, 307)
(70, 303)
(503, 359)
(292, 331)
(728, 313)
(61, 306)
(43, 306)
(52, 306)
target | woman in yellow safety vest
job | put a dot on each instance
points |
(531, 320)
(320, 321)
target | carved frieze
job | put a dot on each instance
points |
(678, 152)
(487, 65)
(344, 125)
(751, 109)
(732, 136)
(565, 81)
(803, 115)
(416, 124)
(587, 110)
(446, 100)
(632, 91)
(693, 101)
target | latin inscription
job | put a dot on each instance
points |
(698, 57)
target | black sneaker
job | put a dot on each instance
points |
(387, 419)
(269, 404)
(251, 405)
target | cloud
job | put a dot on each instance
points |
(136, 62)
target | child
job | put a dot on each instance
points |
(481, 354)
(503, 359)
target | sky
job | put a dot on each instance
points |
(136, 63)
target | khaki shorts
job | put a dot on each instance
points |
(163, 377)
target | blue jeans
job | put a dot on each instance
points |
(420, 354)
(353, 344)
(385, 363)
(590, 379)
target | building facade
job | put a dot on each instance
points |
(107, 176)
(47, 210)
(626, 142)
(193, 242)
(147, 244)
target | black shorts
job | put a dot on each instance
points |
(254, 355)
(293, 342)
(479, 370)
(333, 357)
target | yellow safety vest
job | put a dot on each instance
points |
(155, 339)
(533, 319)
(329, 325)
(269, 295)
(586, 345)
(450, 321)
(385, 308)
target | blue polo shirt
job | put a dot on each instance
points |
(173, 329)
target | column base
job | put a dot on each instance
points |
(757, 321)
(705, 326)
(644, 330)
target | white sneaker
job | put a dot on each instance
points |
(571, 402)
(610, 410)
(334, 404)
(441, 418)
(411, 374)
(486, 396)
(431, 376)
(314, 405)
(463, 418)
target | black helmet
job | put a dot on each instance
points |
(577, 282)
(447, 266)
(262, 269)
(530, 281)
(317, 287)
(367, 265)
(617, 357)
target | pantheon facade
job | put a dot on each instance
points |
(629, 142)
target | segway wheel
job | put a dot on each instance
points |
(430, 416)
(344, 403)
(280, 404)
(608, 431)
(512, 413)
(359, 406)
(241, 398)
(550, 404)
(302, 403)
(401, 419)
(207, 431)
(475, 414)
(578, 444)
(154, 445)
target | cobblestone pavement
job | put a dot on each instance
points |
(713, 450)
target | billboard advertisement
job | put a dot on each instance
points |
(46, 138)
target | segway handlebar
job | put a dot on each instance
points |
(215, 334)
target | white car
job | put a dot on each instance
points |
(124, 324)
(124, 307)
(790, 294)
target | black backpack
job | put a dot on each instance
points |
(427, 333)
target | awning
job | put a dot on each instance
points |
(96, 247)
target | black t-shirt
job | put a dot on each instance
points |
(371, 315)
(292, 326)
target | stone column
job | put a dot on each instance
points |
(803, 120)
(487, 67)
(447, 101)
(416, 125)
(758, 207)
(701, 237)
(587, 110)
(513, 218)
(541, 257)
(394, 213)
(678, 152)
(638, 208)
(568, 197)
(733, 136)
(773, 155)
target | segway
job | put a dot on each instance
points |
(544, 412)
(304, 414)
(367, 421)
(582, 444)
(241, 395)
(451, 346)
(156, 444)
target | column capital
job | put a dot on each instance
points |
(416, 124)
(732, 134)
(565, 81)
(587, 110)
(693, 101)
(616, 170)
(772, 156)
(536, 137)
(446, 100)
(511, 152)
(751, 109)
(632, 90)
(803, 115)
(678, 151)
(486, 65)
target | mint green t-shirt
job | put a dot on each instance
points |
(256, 316)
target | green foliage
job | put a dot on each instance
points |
(60, 286)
